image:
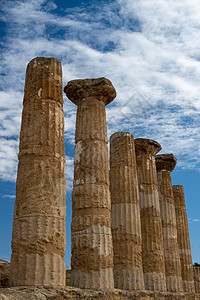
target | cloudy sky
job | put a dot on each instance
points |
(150, 51)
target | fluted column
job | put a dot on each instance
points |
(183, 239)
(152, 239)
(196, 270)
(38, 239)
(165, 164)
(125, 211)
(92, 251)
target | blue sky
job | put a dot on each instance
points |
(150, 51)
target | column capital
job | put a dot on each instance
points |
(147, 146)
(99, 88)
(165, 162)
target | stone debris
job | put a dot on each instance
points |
(92, 251)
(50, 293)
(165, 164)
(183, 239)
(39, 235)
(125, 212)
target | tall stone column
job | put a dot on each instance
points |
(183, 239)
(125, 211)
(92, 250)
(196, 270)
(152, 239)
(165, 164)
(38, 238)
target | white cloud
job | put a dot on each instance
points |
(149, 50)
(69, 172)
(8, 158)
(9, 196)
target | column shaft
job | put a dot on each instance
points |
(196, 270)
(152, 240)
(165, 163)
(183, 239)
(126, 225)
(38, 239)
(92, 251)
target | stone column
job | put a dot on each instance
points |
(92, 251)
(183, 239)
(196, 270)
(152, 239)
(125, 211)
(165, 163)
(38, 238)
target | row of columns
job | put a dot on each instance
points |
(166, 253)
(139, 242)
(146, 251)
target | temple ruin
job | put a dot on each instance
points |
(129, 226)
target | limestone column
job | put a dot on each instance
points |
(183, 239)
(125, 212)
(152, 240)
(165, 164)
(38, 238)
(92, 251)
(196, 270)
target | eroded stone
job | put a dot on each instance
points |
(126, 225)
(38, 238)
(152, 239)
(183, 239)
(98, 88)
(92, 251)
(165, 163)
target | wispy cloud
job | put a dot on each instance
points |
(149, 50)
(8, 196)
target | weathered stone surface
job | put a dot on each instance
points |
(125, 212)
(49, 293)
(183, 239)
(152, 239)
(165, 163)
(99, 88)
(38, 239)
(4, 273)
(196, 270)
(92, 251)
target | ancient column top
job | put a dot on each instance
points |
(42, 59)
(119, 134)
(147, 146)
(99, 88)
(165, 162)
(43, 80)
